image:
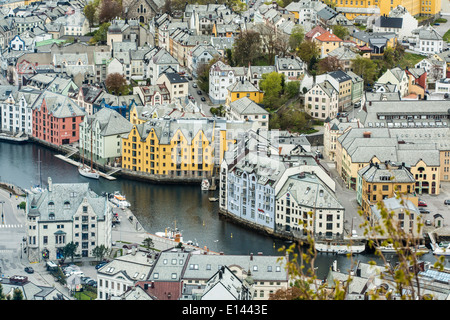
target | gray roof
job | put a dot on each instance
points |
(170, 265)
(310, 191)
(246, 106)
(389, 22)
(382, 171)
(66, 199)
(110, 122)
(262, 268)
(60, 106)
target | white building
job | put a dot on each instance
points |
(221, 76)
(246, 109)
(306, 203)
(101, 133)
(426, 40)
(118, 276)
(322, 101)
(65, 213)
(15, 108)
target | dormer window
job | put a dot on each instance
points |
(66, 205)
(51, 216)
(51, 205)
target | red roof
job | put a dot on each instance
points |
(162, 290)
(316, 29)
(327, 36)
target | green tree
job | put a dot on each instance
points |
(148, 243)
(340, 31)
(203, 74)
(17, 294)
(2, 295)
(100, 35)
(100, 251)
(90, 12)
(271, 84)
(70, 249)
(297, 36)
(365, 68)
(309, 51)
(291, 89)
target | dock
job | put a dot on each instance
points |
(78, 164)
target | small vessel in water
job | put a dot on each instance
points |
(119, 200)
(88, 172)
(205, 184)
(171, 234)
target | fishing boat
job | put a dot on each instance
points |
(205, 184)
(86, 171)
(119, 200)
(171, 234)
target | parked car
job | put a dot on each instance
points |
(447, 201)
(428, 222)
(194, 85)
(101, 264)
(189, 78)
(92, 283)
(203, 99)
(29, 270)
(85, 280)
(424, 211)
(199, 92)
(422, 203)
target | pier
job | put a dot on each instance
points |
(77, 164)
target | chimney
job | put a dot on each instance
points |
(50, 184)
(153, 284)
(251, 256)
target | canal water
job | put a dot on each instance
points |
(158, 206)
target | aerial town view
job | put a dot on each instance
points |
(234, 150)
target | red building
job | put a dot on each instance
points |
(419, 76)
(56, 119)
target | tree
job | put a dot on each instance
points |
(100, 35)
(90, 11)
(148, 243)
(70, 249)
(297, 36)
(271, 84)
(203, 73)
(366, 68)
(328, 64)
(100, 251)
(247, 48)
(309, 51)
(108, 10)
(291, 89)
(17, 294)
(116, 84)
(2, 295)
(340, 31)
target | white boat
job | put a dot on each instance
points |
(387, 249)
(420, 249)
(87, 172)
(339, 248)
(37, 189)
(441, 251)
(205, 184)
(119, 200)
